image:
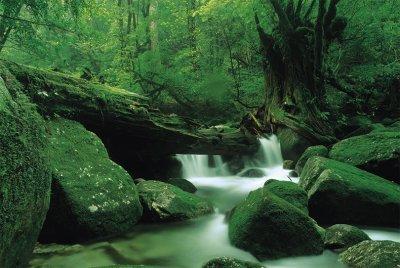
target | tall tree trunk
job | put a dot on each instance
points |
(130, 17)
(153, 31)
(121, 33)
(191, 25)
(294, 69)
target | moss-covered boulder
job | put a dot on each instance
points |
(289, 191)
(269, 227)
(183, 184)
(163, 202)
(343, 236)
(24, 177)
(378, 153)
(292, 143)
(228, 262)
(341, 193)
(372, 254)
(318, 150)
(92, 196)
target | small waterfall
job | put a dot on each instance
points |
(270, 151)
(268, 155)
(202, 165)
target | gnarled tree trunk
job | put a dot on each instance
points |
(294, 66)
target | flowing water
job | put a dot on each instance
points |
(192, 243)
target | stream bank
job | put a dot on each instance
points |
(192, 243)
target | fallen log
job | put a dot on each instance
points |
(129, 128)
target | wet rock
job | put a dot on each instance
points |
(343, 236)
(183, 184)
(318, 150)
(53, 249)
(269, 227)
(290, 192)
(252, 173)
(341, 193)
(163, 202)
(24, 176)
(235, 163)
(378, 153)
(292, 144)
(288, 164)
(373, 254)
(228, 262)
(293, 174)
(92, 197)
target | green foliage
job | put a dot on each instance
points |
(193, 57)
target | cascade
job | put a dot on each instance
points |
(200, 166)
(270, 150)
(268, 156)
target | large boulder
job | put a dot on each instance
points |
(373, 254)
(289, 191)
(377, 152)
(341, 193)
(24, 178)
(343, 236)
(292, 144)
(228, 262)
(92, 196)
(163, 202)
(318, 150)
(269, 227)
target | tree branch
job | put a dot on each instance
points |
(318, 45)
(50, 25)
(330, 14)
(284, 21)
(309, 10)
(298, 8)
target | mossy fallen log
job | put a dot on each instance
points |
(129, 128)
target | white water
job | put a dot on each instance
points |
(198, 165)
(269, 152)
(192, 243)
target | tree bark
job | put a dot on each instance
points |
(294, 69)
(123, 120)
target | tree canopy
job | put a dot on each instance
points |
(204, 58)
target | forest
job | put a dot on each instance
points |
(200, 133)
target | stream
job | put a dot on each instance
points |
(192, 243)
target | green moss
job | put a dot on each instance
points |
(92, 196)
(342, 236)
(165, 202)
(290, 192)
(341, 193)
(377, 152)
(292, 144)
(318, 150)
(24, 176)
(269, 227)
(372, 254)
